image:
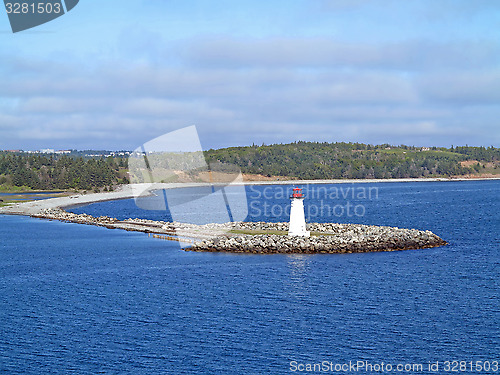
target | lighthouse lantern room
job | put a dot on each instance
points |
(297, 218)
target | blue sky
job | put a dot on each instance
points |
(115, 74)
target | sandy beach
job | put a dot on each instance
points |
(130, 191)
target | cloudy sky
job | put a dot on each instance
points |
(114, 74)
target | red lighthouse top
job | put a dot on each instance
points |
(297, 193)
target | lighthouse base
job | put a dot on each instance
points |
(297, 219)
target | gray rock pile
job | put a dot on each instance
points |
(261, 225)
(59, 214)
(333, 238)
(326, 237)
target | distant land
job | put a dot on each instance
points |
(319, 161)
(92, 170)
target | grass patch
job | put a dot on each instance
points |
(257, 232)
(28, 196)
(443, 153)
(18, 198)
(277, 232)
(316, 234)
(28, 190)
(15, 189)
(492, 170)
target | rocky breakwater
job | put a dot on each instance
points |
(136, 225)
(263, 237)
(181, 231)
(59, 214)
(325, 238)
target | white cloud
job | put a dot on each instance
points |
(259, 91)
(330, 53)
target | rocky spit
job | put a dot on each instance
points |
(325, 238)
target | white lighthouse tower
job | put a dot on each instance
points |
(297, 218)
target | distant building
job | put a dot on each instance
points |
(48, 151)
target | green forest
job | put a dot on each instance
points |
(300, 160)
(312, 160)
(40, 172)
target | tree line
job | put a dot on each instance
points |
(42, 172)
(313, 160)
(302, 160)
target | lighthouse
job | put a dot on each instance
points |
(297, 218)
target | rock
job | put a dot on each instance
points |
(333, 238)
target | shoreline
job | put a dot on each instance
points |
(331, 238)
(33, 208)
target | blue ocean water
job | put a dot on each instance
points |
(83, 299)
